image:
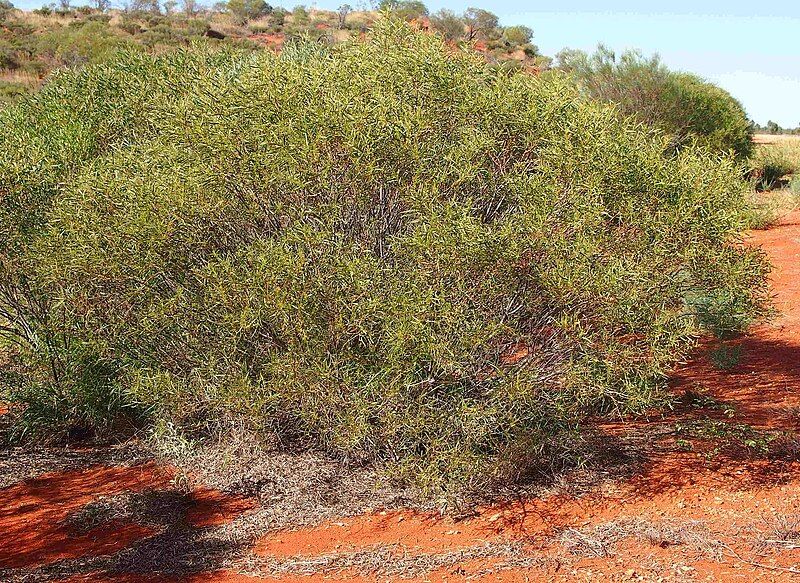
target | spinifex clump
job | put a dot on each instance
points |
(384, 249)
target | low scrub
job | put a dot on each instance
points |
(774, 165)
(767, 208)
(385, 249)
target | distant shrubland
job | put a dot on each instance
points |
(385, 249)
(34, 43)
(774, 173)
(772, 128)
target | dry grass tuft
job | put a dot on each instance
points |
(390, 561)
(780, 531)
(602, 540)
(294, 488)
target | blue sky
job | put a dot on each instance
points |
(751, 49)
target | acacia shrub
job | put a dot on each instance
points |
(680, 104)
(384, 249)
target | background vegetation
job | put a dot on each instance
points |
(774, 172)
(773, 128)
(34, 43)
(385, 249)
(681, 104)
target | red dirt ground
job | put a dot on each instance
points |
(735, 494)
(32, 513)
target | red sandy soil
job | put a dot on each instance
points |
(33, 513)
(274, 41)
(735, 495)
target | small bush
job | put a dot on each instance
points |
(726, 357)
(6, 9)
(384, 249)
(130, 26)
(773, 165)
(245, 10)
(89, 42)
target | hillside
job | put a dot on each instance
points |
(32, 44)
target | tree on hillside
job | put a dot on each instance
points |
(151, 6)
(449, 24)
(246, 10)
(101, 5)
(518, 35)
(300, 14)
(278, 16)
(406, 9)
(481, 23)
(189, 7)
(341, 14)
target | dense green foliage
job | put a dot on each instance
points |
(681, 104)
(245, 10)
(383, 248)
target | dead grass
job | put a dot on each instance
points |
(21, 463)
(25, 78)
(774, 138)
(293, 488)
(779, 531)
(602, 540)
(392, 561)
(768, 208)
(150, 508)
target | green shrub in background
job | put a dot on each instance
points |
(6, 8)
(246, 10)
(773, 165)
(406, 9)
(680, 104)
(84, 43)
(381, 249)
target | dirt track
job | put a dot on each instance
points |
(710, 492)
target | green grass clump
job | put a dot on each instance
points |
(773, 165)
(775, 182)
(383, 249)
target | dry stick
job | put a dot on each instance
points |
(783, 543)
(760, 565)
